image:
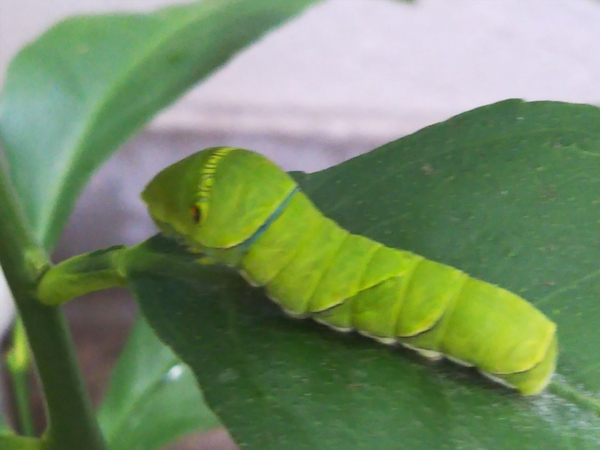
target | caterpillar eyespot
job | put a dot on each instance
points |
(311, 267)
(195, 213)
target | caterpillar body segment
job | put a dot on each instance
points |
(239, 208)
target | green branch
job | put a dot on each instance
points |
(18, 362)
(72, 424)
(82, 274)
(110, 267)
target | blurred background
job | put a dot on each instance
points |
(342, 79)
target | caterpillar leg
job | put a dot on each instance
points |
(380, 339)
(496, 379)
(459, 361)
(293, 314)
(333, 327)
(246, 276)
(428, 354)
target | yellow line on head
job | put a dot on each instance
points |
(207, 174)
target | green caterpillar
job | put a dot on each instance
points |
(239, 208)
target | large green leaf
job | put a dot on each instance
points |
(153, 397)
(511, 194)
(80, 90)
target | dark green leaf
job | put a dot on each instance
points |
(153, 398)
(510, 193)
(79, 91)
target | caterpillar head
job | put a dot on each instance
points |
(216, 198)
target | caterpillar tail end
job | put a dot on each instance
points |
(536, 379)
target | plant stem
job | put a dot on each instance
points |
(72, 424)
(108, 267)
(20, 385)
(82, 274)
(18, 362)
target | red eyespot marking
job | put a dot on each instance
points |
(195, 211)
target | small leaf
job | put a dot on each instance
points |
(511, 196)
(153, 397)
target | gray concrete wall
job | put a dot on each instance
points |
(376, 68)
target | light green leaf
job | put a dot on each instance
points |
(510, 194)
(85, 86)
(153, 397)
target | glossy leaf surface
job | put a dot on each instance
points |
(153, 398)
